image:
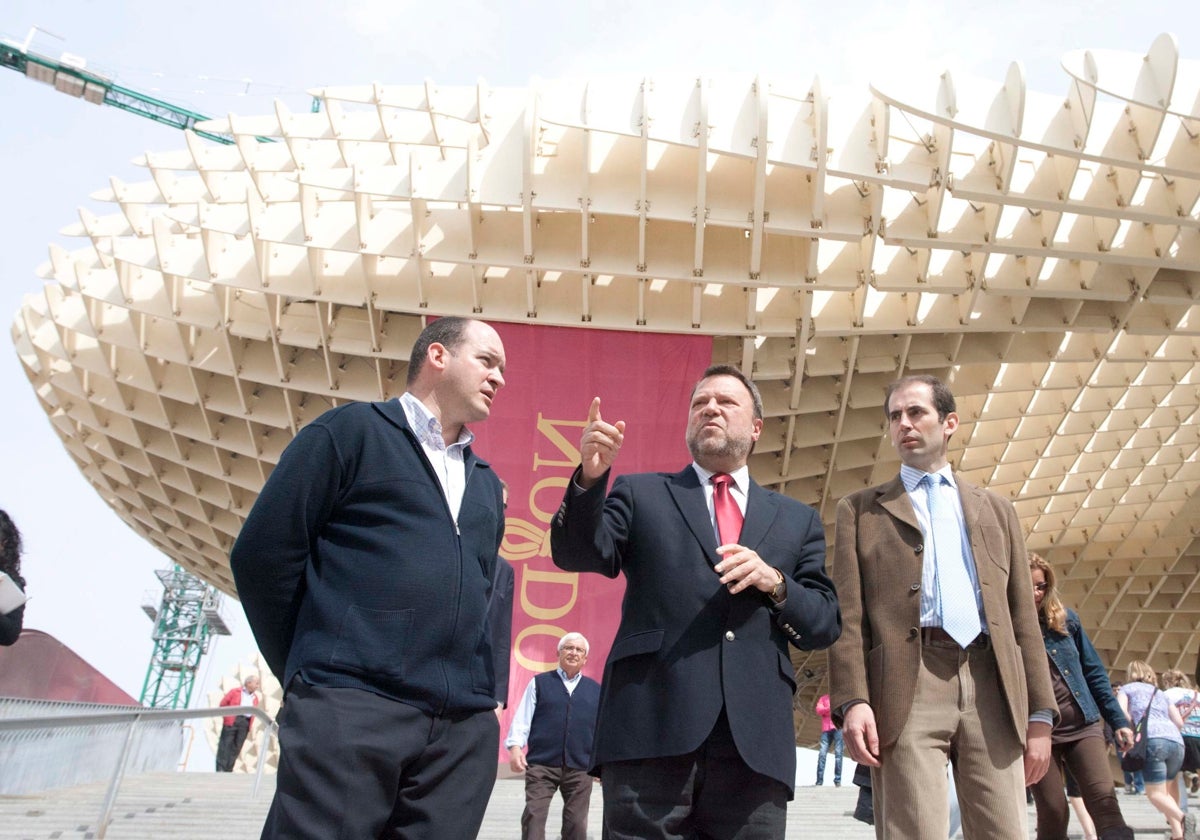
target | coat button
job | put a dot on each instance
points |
(913, 632)
(915, 587)
(920, 547)
(729, 637)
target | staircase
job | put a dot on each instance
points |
(218, 806)
(152, 806)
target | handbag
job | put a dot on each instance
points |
(1135, 759)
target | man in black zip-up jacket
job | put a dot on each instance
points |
(367, 569)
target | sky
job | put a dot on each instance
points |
(87, 571)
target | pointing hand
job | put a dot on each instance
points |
(599, 445)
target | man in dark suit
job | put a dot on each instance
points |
(368, 572)
(695, 736)
(941, 657)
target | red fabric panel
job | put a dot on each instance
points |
(532, 440)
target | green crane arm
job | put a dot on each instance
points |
(98, 90)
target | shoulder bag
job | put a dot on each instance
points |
(1135, 759)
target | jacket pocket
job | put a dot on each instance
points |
(993, 541)
(373, 641)
(647, 641)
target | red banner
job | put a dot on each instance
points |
(532, 441)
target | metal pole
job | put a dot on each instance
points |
(110, 799)
(268, 733)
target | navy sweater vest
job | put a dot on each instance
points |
(563, 724)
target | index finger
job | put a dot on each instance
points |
(594, 410)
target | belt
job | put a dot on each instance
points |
(937, 637)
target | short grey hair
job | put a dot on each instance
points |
(569, 636)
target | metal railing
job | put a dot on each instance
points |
(133, 717)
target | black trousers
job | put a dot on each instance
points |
(355, 765)
(709, 794)
(229, 747)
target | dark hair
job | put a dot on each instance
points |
(943, 400)
(736, 373)
(10, 549)
(448, 332)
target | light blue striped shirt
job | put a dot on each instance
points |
(918, 495)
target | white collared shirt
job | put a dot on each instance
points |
(448, 461)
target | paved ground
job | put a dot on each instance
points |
(203, 806)
(817, 813)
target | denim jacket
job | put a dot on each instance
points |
(1084, 673)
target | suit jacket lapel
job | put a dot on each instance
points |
(761, 508)
(688, 495)
(894, 499)
(972, 499)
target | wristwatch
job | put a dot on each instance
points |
(779, 593)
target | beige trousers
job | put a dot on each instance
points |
(958, 715)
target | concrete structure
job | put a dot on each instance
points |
(1040, 250)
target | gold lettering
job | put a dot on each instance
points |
(558, 483)
(570, 452)
(548, 612)
(536, 665)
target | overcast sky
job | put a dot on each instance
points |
(86, 570)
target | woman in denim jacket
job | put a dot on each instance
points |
(1084, 695)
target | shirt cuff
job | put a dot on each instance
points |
(1045, 716)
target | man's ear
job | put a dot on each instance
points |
(951, 423)
(436, 355)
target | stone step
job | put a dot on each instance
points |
(202, 806)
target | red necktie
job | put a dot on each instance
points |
(729, 515)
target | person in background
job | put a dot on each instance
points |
(1140, 697)
(556, 719)
(10, 564)
(1179, 691)
(1084, 696)
(1134, 782)
(235, 728)
(830, 735)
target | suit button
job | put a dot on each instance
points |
(915, 587)
(913, 632)
(919, 548)
(729, 637)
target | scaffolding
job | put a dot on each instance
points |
(185, 619)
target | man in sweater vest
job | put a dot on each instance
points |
(556, 718)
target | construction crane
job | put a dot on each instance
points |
(189, 612)
(186, 618)
(69, 76)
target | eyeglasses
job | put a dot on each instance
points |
(572, 649)
(1040, 587)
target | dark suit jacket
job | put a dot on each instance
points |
(353, 573)
(500, 625)
(877, 566)
(685, 647)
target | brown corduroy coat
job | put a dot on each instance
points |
(877, 573)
